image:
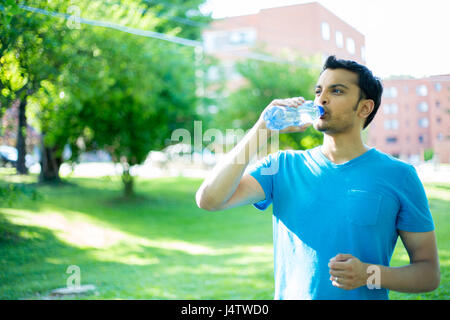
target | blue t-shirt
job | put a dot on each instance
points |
(321, 209)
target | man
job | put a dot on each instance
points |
(339, 208)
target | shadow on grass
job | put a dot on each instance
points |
(162, 207)
(34, 259)
(37, 259)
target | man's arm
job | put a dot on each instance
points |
(421, 275)
(226, 187)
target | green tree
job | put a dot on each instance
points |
(181, 16)
(107, 88)
(428, 154)
(28, 45)
(264, 82)
(140, 91)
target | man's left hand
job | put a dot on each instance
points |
(347, 272)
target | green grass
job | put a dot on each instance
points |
(439, 199)
(157, 246)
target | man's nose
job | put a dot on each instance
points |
(323, 99)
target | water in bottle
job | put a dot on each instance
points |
(280, 117)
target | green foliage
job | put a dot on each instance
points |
(7, 10)
(94, 87)
(136, 92)
(428, 154)
(181, 16)
(266, 81)
(11, 193)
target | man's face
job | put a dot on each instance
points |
(338, 92)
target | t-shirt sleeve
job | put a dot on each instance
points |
(414, 215)
(264, 172)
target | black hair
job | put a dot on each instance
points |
(371, 86)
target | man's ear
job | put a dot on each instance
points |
(366, 108)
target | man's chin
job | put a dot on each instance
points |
(320, 126)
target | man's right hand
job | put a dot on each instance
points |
(290, 102)
(227, 186)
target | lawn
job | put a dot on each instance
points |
(157, 246)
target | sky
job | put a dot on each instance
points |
(403, 37)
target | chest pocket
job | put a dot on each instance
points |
(363, 207)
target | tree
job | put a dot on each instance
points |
(122, 93)
(183, 16)
(428, 154)
(266, 81)
(145, 89)
(26, 40)
(106, 88)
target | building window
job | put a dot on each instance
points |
(242, 37)
(405, 89)
(390, 92)
(222, 39)
(438, 104)
(390, 108)
(217, 41)
(422, 90)
(391, 140)
(423, 122)
(351, 45)
(440, 136)
(421, 139)
(438, 120)
(339, 39)
(325, 31)
(363, 53)
(394, 108)
(422, 107)
(438, 86)
(237, 37)
(391, 124)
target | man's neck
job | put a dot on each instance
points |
(342, 148)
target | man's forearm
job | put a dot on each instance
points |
(220, 185)
(420, 276)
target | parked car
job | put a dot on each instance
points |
(8, 156)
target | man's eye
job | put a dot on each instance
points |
(317, 91)
(338, 91)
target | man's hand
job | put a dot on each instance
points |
(290, 102)
(347, 272)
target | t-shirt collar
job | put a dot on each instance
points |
(351, 162)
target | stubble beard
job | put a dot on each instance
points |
(324, 125)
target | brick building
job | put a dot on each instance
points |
(414, 116)
(415, 113)
(308, 29)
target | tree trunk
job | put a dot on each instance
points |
(49, 164)
(21, 138)
(127, 180)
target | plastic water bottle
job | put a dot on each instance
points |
(280, 117)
